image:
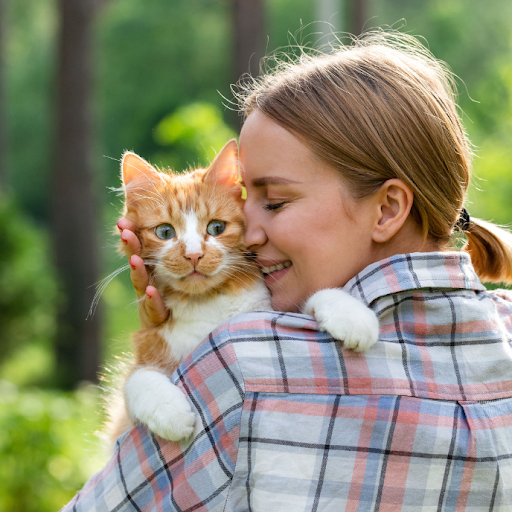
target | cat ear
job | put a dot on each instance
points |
(224, 169)
(136, 169)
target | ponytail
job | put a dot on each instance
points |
(490, 248)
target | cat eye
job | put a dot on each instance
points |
(165, 232)
(216, 227)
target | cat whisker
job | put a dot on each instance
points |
(233, 275)
(101, 286)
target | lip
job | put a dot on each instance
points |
(195, 273)
(269, 263)
(278, 274)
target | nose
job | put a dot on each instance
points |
(194, 258)
(255, 235)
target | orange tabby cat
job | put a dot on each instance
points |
(191, 230)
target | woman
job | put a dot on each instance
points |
(356, 168)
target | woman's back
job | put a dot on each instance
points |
(289, 421)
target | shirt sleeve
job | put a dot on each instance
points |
(149, 473)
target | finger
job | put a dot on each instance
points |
(138, 275)
(131, 243)
(123, 223)
(155, 309)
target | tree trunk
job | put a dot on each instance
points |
(75, 211)
(249, 40)
(249, 36)
(3, 145)
(360, 16)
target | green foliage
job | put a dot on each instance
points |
(27, 298)
(159, 68)
(30, 30)
(192, 130)
(47, 446)
(154, 57)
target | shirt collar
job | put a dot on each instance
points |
(411, 271)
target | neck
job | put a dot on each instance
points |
(408, 239)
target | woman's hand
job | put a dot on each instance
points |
(152, 310)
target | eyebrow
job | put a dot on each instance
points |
(271, 180)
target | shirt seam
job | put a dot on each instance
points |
(329, 390)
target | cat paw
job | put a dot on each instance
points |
(172, 421)
(152, 399)
(344, 318)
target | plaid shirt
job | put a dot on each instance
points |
(289, 421)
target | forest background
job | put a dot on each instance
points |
(83, 80)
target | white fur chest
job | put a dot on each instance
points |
(193, 321)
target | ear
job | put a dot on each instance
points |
(393, 202)
(224, 169)
(135, 169)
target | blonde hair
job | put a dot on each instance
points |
(385, 108)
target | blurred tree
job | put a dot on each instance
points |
(359, 16)
(2, 100)
(29, 68)
(249, 41)
(75, 201)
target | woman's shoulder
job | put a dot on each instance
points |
(270, 322)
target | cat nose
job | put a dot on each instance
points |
(194, 258)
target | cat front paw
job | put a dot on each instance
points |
(152, 399)
(172, 421)
(344, 318)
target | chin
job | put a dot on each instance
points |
(280, 303)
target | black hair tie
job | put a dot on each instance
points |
(464, 220)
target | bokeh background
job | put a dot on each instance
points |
(83, 80)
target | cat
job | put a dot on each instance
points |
(191, 229)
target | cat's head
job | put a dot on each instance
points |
(190, 225)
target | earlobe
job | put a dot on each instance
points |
(394, 202)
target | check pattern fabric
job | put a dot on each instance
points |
(289, 421)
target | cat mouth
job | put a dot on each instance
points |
(275, 268)
(195, 273)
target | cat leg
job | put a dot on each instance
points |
(152, 399)
(344, 318)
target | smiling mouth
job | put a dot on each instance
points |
(275, 268)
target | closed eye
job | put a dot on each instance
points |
(273, 206)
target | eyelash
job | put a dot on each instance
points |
(273, 207)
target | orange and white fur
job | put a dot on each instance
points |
(191, 228)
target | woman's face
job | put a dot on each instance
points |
(306, 229)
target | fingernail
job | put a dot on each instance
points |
(132, 266)
(119, 227)
(148, 296)
(125, 242)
